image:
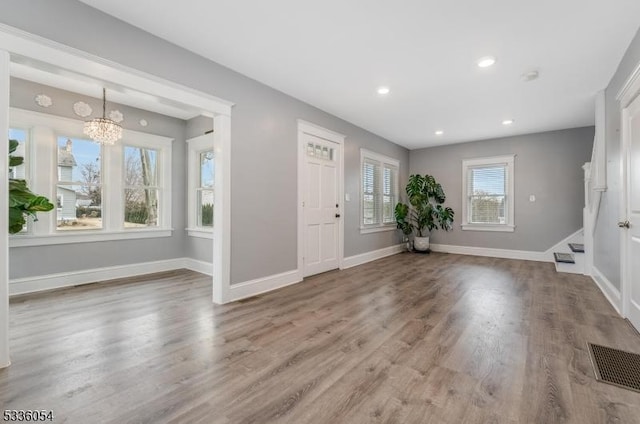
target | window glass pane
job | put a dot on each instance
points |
(79, 190)
(78, 207)
(140, 207)
(18, 172)
(488, 180)
(487, 195)
(205, 208)
(141, 167)
(78, 161)
(206, 169)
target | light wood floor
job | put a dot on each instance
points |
(407, 339)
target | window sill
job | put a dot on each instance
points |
(379, 229)
(200, 233)
(85, 237)
(488, 227)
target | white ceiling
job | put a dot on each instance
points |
(334, 54)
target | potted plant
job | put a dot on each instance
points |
(22, 202)
(425, 211)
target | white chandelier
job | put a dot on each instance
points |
(103, 130)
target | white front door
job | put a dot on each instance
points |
(631, 226)
(320, 204)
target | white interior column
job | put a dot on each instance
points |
(4, 209)
(222, 209)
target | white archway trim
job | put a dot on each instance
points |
(17, 45)
(49, 53)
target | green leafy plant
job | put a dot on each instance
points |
(22, 202)
(425, 211)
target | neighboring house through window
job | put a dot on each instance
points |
(378, 192)
(488, 194)
(78, 187)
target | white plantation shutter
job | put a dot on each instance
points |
(370, 192)
(389, 192)
(379, 189)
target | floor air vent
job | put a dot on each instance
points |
(616, 367)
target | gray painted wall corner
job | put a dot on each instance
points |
(547, 165)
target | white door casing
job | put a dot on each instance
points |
(630, 224)
(320, 193)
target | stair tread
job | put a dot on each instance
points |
(576, 247)
(567, 258)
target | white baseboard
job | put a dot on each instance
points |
(608, 289)
(198, 266)
(363, 258)
(262, 285)
(494, 253)
(75, 278)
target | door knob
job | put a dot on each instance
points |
(337, 215)
(624, 224)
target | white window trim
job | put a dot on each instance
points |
(384, 160)
(507, 160)
(196, 146)
(43, 132)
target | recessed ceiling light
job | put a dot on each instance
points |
(439, 132)
(485, 62)
(507, 122)
(383, 90)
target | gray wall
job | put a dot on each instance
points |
(547, 165)
(74, 257)
(607, 236)
(263, 132)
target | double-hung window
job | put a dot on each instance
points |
(201, 169)
(379, 191)
(488, 194)
(100, 192)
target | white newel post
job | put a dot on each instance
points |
(4, 210)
